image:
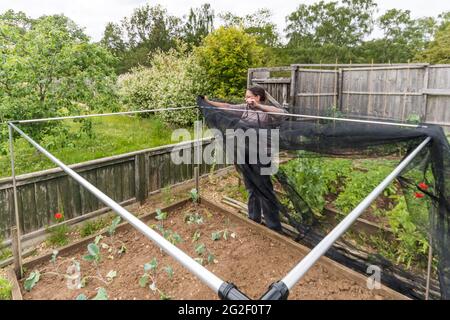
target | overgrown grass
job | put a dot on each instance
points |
(5, 254)
(93, 226)
(112, 135)
(5, 289)
(58, 235)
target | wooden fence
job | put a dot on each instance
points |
(391, 92)
(125, 178)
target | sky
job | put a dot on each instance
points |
(93, 15)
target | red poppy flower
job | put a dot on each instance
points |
(423, 186)
(419, 195)
(58, 216)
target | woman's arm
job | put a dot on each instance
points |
(266, 108)
(262, 107)
(218, 104)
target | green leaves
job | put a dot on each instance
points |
(169, 271)
(200, 249)
(160, 215)
(54, 59)
(211, 258)
(101, 294)
(94, 253)
(193, 218)
(223, 233)
(194, 195)
(32, 280)
(172, 74)
(215, 236)
(113, 226)
(151, 266)
(93, 249)
(81, 296)
(225, 56)
(170, 235)
(144, 280)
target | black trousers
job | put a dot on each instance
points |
(259, 204)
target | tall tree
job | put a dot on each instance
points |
(257, 24)
(198, 24)
(113, 39)
(439, 49)
(151, 27)
(403, 37)
(50, 68)
(146, 31)
(343, 25)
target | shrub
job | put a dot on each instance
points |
(5, 289)
(225, 56)
(173, 80)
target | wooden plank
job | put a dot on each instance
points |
(271, 81)
(351, 66)
(311, 94)
(367, 93)
(41, 198)
(89, 202)
(270, 69)
(437, 92)
(27, 206)
(400, 67)
(140, 178)
(15, 290)
(6, 212)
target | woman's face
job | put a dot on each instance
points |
(250, 96)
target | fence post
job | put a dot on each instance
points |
(340, 88)
(140, 177)
(249, 77)
(293, 93)
(16, 251)
(15, 231)
(425, 95)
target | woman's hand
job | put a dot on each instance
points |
(252, 103)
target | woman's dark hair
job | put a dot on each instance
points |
(258, 91)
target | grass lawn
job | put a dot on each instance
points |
(112, 135)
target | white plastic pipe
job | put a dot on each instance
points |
(201, 272)
(101, 115)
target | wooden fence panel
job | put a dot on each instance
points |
(42, 194)
(390, 92)
(438, 105)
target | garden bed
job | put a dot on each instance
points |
(251, 256)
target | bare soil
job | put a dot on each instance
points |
(251, 259)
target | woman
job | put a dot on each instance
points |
(262, 199)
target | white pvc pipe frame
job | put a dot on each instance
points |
(194, 267)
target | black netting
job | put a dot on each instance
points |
(327, 137)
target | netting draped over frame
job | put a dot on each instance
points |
(329, 137)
